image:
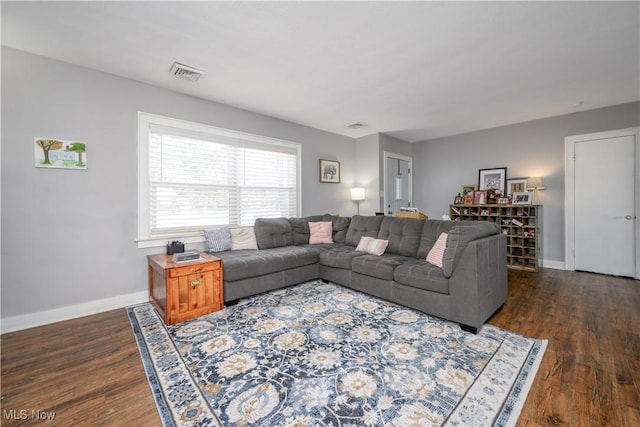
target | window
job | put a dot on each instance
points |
(193, 176)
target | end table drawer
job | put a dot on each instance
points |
(193, 269)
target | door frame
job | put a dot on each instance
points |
(569, 190)
(386, 155)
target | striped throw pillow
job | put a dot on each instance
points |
(436, 253)
(372, 246)
(218, 239)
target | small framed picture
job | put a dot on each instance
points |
(516, 185)
(495, 178)
(467, 199)
(503, 201)
(522, 198)
(457, 200)
(329, 171)
(479, 197)
(467, 189)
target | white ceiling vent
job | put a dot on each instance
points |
(356, 125)
(185, 72)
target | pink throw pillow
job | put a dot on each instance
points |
(320, 232)
(372, 246)
(436, 253)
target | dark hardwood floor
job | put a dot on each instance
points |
(88, 371)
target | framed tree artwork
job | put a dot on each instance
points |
(60, 153)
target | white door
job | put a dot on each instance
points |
(604, 205)
(397, 184)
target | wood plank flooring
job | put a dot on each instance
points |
(88, 371)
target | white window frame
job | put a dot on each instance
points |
(144, 238)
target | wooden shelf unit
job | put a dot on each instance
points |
(522, 224)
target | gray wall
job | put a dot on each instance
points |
(368, 173)
(533, 148)
(77, 228)
(68, 235)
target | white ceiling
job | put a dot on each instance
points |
(414, 70)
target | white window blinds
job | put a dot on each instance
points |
(202, 179)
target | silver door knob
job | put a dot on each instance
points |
(629, 217)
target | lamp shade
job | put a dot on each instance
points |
(535, 183)
(357, 193)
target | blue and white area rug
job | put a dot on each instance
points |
(319, 354)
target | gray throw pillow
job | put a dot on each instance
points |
(218, 239)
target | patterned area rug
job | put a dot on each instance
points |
(319, 354)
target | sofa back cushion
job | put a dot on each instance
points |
(300, 228)
(362, 226)
(431, 231)
(273, 232)
(340, 226)
(403, 235)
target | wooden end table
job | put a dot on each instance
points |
(182, 291)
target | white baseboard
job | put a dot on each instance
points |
(26, 321)
(556, 265)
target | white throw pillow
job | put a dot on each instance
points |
(243, 238)
(372, 246)
(436, 253)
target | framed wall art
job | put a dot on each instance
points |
(60, 154)
(495, 178)
(479, 197)
(516, 185)
(467, 189)
(523, 198)
(329, 171)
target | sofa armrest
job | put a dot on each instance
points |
(478, 285)
(458, 239)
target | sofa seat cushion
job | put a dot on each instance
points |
(340, 256)
(247, 263)
(381, 267)
(321, 247)
(422, 275)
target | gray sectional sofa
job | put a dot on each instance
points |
(468, 289)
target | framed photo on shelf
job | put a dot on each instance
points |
(467, 199)
(516, 185)
(495, 178)
(467, 189)
(479, 197)
(521, 198)
(329, 171)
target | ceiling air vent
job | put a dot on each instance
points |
(356, 125)
(185, 72)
